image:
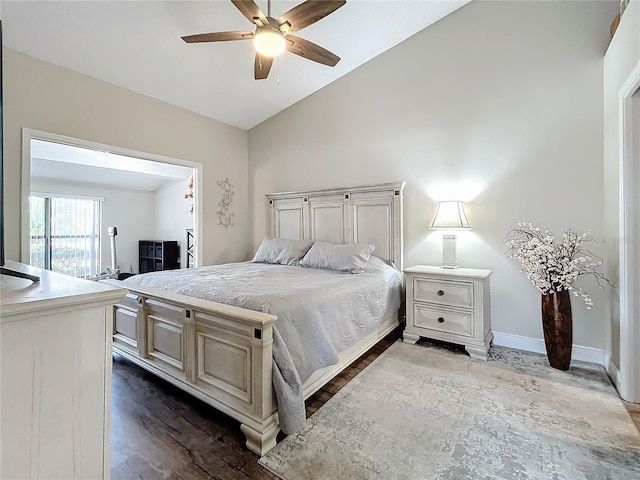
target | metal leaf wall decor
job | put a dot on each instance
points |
(224, 215)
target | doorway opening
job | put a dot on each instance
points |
(74, 192)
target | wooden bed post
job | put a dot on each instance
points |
(261, 435)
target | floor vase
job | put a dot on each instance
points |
(557, 327)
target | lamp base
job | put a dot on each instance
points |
(449, 251)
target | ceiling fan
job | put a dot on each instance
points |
(272, 37)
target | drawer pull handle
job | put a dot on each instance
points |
(441, 320)
(440, 293)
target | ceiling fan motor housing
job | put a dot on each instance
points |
(269, 39)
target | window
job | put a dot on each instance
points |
(65, 234)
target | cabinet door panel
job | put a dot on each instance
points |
(370, 223)
(165, 336)
(54, 373)
(327, 222)
(125, 329)
(165, 341)
(223, 364)
(288, 221)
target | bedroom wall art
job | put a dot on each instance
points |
(224, 215)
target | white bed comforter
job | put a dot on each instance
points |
(320, 312)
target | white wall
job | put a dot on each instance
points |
(622, 56)
(139, 215)
(172, 216)
(499, 104)
(129, 210)
(45, 97)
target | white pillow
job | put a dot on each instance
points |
(282, 251)
(342, 258)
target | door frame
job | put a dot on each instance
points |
(629, 121)
(29, 134)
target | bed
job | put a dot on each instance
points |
(229, 350)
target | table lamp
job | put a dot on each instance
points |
(449, 216)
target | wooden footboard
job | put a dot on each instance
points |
(219, 353)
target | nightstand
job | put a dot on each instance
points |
(452, 305)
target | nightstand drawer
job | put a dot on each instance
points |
(442, 320)
(454, 294)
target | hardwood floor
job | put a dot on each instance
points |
(634, 412)
(158, 431)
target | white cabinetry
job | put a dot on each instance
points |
(55, 338)
(452, 305)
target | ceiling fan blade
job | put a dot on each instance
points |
(218, 37)
(311, 51)
(261, 66)
(307, 13)
(252, 11)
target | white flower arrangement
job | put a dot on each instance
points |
(553, 267)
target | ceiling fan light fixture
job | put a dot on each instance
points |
(272, 37)
(269, 42)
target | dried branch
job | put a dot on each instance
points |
(551, 265)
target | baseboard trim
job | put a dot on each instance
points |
(579, 352)
(612, 369)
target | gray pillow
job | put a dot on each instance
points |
(341, 258)
(282, 251)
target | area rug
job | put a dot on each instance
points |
(423, 412)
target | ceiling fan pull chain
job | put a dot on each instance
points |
(278, 71)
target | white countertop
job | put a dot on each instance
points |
(19, 295)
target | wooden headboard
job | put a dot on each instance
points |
(369, 214)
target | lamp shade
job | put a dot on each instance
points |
(450, 215)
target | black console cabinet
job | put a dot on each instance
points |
(158, 255)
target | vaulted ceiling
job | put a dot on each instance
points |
(137, 45)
